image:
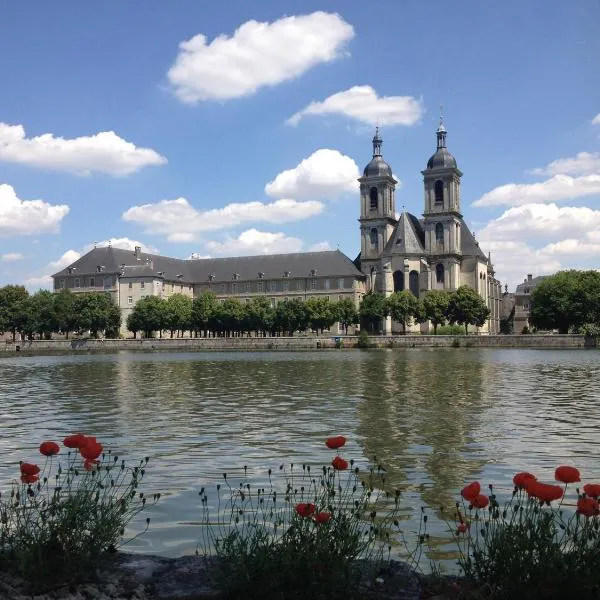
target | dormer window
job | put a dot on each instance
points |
(179, 275)
(100, 268)
(236, 276)
(313, 272)
(286, 273)
(261, 275)
(211, 277)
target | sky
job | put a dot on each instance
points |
(238, 128)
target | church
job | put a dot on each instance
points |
(397, 252)
(435, 252)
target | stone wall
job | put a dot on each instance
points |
(301, 343)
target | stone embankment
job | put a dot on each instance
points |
(300, 343)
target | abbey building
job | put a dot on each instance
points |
(397, 252)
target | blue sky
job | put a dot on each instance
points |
(171, 124)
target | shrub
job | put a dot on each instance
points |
(450, 330)
(363, 339)
(590, 330)
(60, 519)
(525, 330)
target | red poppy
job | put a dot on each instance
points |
(544, 491)
(339, 464)
(91, 450)
(333, 443)
(75, 441)
(29, 469)
(323, 517)
(29, 478)
(480, 501)
(462, 528)
(49, 448)
(305, 510)
(471, 491)
(88, 465)
(523, 478)
(588, 507)
(567, 474)
(592, 489)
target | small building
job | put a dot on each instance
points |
(522, 316)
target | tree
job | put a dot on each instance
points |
(64, 313)
(373, 309)
(435, 307)
(567, 300)
(403, 307)
(291, 315)
(259, 315)
(203, 308)
(178, 313)
(13, 299)
(320, 313)
(42, 313)
(96, 311)
(467, 307)
(228, 315)
(346, 313)
(149, 315)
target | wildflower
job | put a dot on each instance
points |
(588, 507)
(544, 491)
(339, 464)
(29, 469)
(333, 443)
(592, 489)
(89, 465)
(75, 441)
(49, 448)
(322, 517)
(462, 528)
(91, 450)
(305, 510)
(523, 478)
(567, 474)
(471, 491)
(29, 478)
(480, 501)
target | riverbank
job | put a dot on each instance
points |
(299, 343)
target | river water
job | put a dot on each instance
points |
(435, 418)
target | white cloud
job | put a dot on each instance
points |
(255, 242)
(175, 218)
(559, 187)
(28, 217)
(324, 174)
(123, 243)
(583, 163)
(362, 103)
(43, 281)
(596, 120)
(181, 237)
(319, 247)
(69, 257)
(11, 257)
(104, 152)
(256, 55)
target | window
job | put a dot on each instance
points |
(234, 288)
(61, 284)
(129, 299)
(439, 273)
(413, 283)
(327, 284)
(398, 281)
(438, 191)
(260, 286)
(374, 238)
(373, 198)
(92, 282)
(108, 283)
(143, 285)
(272, 286)
(130, 285)
(313, 284)
(439, 234)
(341, 283)
(286, 286)
(76, 282)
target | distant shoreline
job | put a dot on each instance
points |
(325, 342)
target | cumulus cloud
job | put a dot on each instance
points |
(596, 120)
(584, 163)
(325, 174)
(319, 247)
(558, 187)
(255, 242)
(362, 103)
(179, 220)
(104, 152)
(257, 54)
(69, 257)
(41, 281)
(28, 217)
(11, 257)
(124, 243)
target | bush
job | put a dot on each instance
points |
(450, 330)
(363, 339)
(590, 330)
(525, 330)
(60, 519)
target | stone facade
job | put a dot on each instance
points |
(522, 316)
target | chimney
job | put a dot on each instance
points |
(137, 252)
(529, 276)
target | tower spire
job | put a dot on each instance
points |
(441, 130)
(377, 142)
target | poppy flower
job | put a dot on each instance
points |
(91, 450)
(29, 478)
(544, 491)
(333, 443)
(323, 517)
(49, 448)
(305, 510)
(88, 465)
(74, 441)
(339, 464)
(29, 469)
(471, 491)
(567, 474)
(462, 528)
(588, 507)
(592, 490)
(521, 479)
(480, 501)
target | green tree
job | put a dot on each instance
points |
(178, 313)
(203, 308)
(373, 309)
(467, 307)
(64, 312)
(435, 307)
(13, 313)
(291, 315)
(320, 313)
(346, 313)
(149, 315)
(134, 322)
(96, 311)
(403, 307)
(42, 312)
(567, 300)
(228, 316)
(259, 315)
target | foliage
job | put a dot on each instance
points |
(435, 307)
(590, 329)
(178, 313)
(203, 308)
(567, 300)
(290, 316)
(346, 313)
(373, 309)
(450, 330)
(148, 315)
(403, 307)
(467, 307)
(321, 313)
(13, 300)
(363, 340)
(96, 312)
(60, 519)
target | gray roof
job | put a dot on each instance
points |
(377, 167)
(408, 236)
(442, 159)
(331, 263)
(469, 245)
(530, 283)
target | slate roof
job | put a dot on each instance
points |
(332, 263)
(408, 237)
(470, 246)
(530, 283)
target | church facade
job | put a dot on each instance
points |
(435, 252)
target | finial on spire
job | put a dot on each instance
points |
(441, 130)
(441, 115)
(377, 141)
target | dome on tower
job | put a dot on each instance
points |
(377, 167)
(442, 159)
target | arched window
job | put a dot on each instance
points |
(439, 234)
(438, 190)
(439, 273)
(373, 198)
(398, 281)
(413, 283)
(374, 237)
